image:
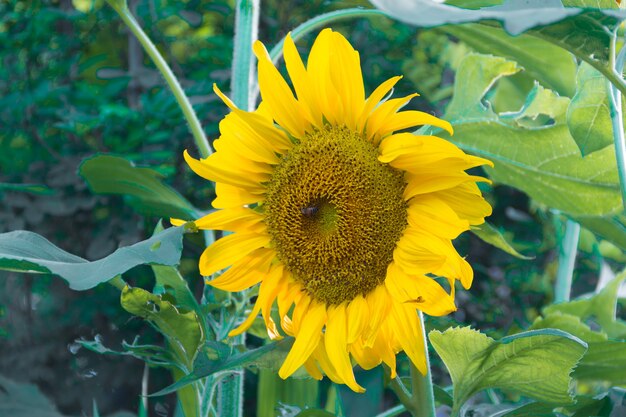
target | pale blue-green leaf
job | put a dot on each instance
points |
(488, 233)
(143, 187)
(536, 364)
(29, 252)
(600, 308)
(588, 115)
(533, 54)
(532, 149)
(516, 16)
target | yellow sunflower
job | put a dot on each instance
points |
(344, 222)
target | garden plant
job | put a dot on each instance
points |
(348, 208)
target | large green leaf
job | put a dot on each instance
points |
(29, 252)
(533, 54)
(600, 308)
(143, 187)
(532, 149)
(588, 115)
(611, 228)
(536, 364)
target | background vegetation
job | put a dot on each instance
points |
(75, 83)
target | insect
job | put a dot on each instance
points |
(309, 211)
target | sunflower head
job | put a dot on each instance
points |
(344, 220)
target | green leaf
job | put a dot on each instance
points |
(29, 252)
(314, 412)
(488, 233)
(532, 149)
(24, 400)
(604, 361)
(27, 188)
(533, 54)
(570, 324)
(168, 278)
(588, 115)
(182, 330)
(611, 228)
(143, 187)
(216, 357)
(600, 308)
(536, 364)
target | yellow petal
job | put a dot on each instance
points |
(430, 213)
(302, 83)
(311, 367)
(229, 196)
(379, 116)
(278, 96)
(378, 303)
(321, 356)
(422, 184)
(230, 249)
(215, 171)
(358, 316)
(418, 291)
(247, 272)
(411, 118)
(336, 346)
(240, 218)
(267, 294)
(320, 66)
(367, 358)
(247, 322)
(408, 331)
(347, 79)
(467, 201)
(375, 98)
(306, 340)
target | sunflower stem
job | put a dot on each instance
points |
(422, 394)
(246, 32)
(202, 143)
(567, 259)
(321, 21)
(230, 392)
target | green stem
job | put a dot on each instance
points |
(567, 259)
(246, 31)
(392, 412)
(321, 21)
(118, 282)
(202, 143)
(423, 397)
(420, 402)
(617, 121)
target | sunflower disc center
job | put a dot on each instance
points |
(335, 214)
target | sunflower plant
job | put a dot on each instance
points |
(333, 233)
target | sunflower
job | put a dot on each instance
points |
(344, 221)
